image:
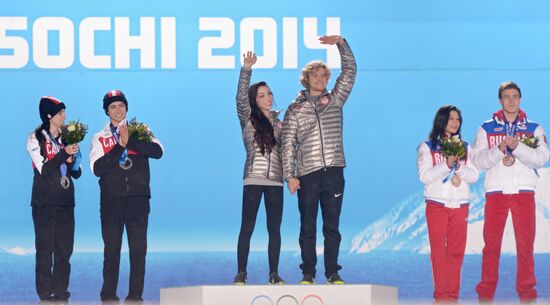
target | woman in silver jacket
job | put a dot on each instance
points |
(263, 172)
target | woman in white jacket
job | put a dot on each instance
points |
(446, 191)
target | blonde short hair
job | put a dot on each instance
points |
(312, 66)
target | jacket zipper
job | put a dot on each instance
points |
(269, 158)
(268, 165)
(321, 134)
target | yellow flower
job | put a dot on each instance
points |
(71, 128)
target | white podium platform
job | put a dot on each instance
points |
(280, 295)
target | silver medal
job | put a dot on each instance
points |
(65, 182)
(127, 164)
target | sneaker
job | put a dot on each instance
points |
(63, 298)
(49, 300)
(335, 279)
(275, 279)
(308, 279)
(240, 278)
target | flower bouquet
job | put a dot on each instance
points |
(453, 146)
(74, 132)
(530, 140)
(139, 130)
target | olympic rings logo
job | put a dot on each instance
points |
(287, 297)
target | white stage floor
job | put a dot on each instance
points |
(280, 295)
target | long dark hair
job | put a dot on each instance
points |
(263, 130)
(440, 123)
(39, 134)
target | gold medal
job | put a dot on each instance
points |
(509, 160)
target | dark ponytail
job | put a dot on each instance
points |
(38, 133)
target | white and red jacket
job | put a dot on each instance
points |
(521, 176)
(114, 182)
(433, 169)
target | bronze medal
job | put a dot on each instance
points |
(509, 160)
(456, 181)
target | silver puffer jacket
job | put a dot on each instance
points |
(312, 128)
(268, 166)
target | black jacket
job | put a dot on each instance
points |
(46, 187)
(115, 182)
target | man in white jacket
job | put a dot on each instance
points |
(511, 149)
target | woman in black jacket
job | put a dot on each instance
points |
(54, 166)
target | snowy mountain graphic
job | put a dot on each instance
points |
(404, 227)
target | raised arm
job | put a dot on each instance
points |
(346, 79)
(243, 106)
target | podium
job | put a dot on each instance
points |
(280, 295)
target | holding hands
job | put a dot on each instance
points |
(249, 59)
(293, 185)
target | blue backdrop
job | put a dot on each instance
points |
(412, 57)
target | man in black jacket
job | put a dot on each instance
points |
(122, 164)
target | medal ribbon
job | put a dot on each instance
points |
(452, 173)
(510, 132)
(124, 155)
(63, 166)
(77, 159)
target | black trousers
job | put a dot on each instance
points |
(132, 213)
(325, 186)
(54, 239)
(273, 198)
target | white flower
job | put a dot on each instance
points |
(71, 128)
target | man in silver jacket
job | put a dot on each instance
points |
(313, 157)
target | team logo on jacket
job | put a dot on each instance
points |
(107, 143)
(437, 157)
(324, 100)
(497, 129)
(51, 150)
(495, 139)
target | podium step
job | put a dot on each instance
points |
(280, 295)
